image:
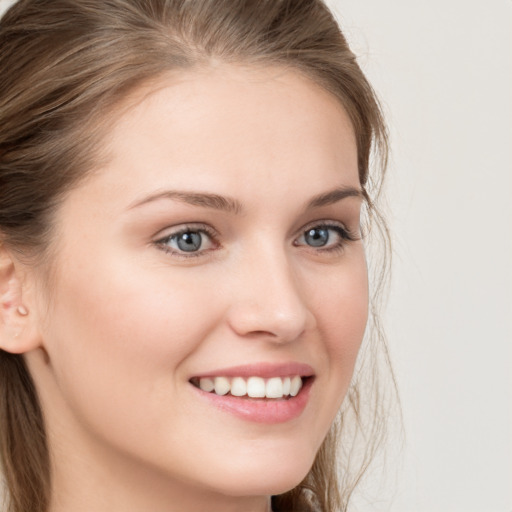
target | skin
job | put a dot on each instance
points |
(127, 323)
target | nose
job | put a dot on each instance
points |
(267, 301)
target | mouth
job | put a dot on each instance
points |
(260, 393)
(274, 388)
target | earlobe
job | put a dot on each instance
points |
(18, 333)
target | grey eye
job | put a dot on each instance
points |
(189, 241)
(316, 237)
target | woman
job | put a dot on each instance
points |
(183, 278)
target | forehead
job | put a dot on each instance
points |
(236, 125)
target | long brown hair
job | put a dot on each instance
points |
(64, 66)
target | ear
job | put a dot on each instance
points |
(18, 327)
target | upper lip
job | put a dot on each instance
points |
(264, 370)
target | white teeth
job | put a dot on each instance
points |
(295, 385)
(286, 386)
(238, 387)
(222, 386)
(254, 387)
(274, 388)
(206, 385)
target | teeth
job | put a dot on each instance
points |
(274, 388)
(222, 386)
(295, 386)
(254, 387)
(206, 385)
(286, 386)
(238, 387)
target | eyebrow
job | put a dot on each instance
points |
(205, 200)
(231, 205)
(333, 196)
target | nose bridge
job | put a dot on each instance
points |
(268, 298)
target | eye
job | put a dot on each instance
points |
(325, 237)
(317, 237)
(187, 242)
(190, 241)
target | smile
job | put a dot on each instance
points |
(268, 393)
(253, 387)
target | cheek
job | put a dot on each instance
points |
(120, 305)
(341, 310)
(344, 325)
(119, 336)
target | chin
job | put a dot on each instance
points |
(267, 481)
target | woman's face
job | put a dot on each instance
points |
(220, 243)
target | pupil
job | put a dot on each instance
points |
(317, 237)
(189, 241)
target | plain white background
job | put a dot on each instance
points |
(443, 70)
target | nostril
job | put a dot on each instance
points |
(259, 334)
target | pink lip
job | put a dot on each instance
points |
(264, 370)
(262, 410)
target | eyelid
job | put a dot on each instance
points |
(160, 240)
(333, 224)
(169, 231)
(344, 234)
(166, 234)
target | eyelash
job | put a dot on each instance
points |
(345, 236)
(202, 229)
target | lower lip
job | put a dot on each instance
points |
(260, 410)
